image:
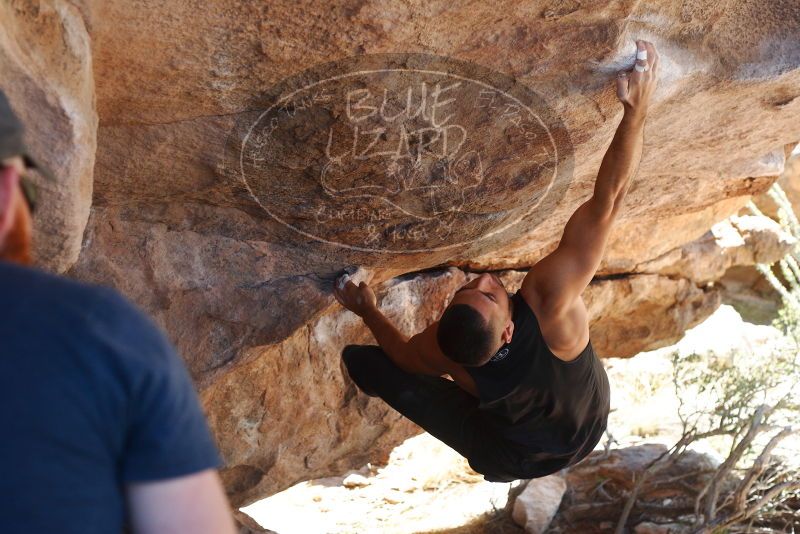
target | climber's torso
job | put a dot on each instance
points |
(555, 401)
(557, 333)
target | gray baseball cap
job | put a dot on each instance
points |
(11, 142)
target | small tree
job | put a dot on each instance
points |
(753, 400)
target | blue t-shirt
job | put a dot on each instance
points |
(92, 395)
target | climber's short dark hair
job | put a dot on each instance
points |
(464, 335)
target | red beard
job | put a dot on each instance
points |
(17, 245)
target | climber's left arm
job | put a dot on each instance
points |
(557, 280)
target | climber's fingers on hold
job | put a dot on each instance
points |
(656, 58)
(339, 287)
(350, 288)
(641, 47)
(345, 291)
(336, 295)
(652, 57)
(622, 85)
(636, 84)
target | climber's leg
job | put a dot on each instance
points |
(355, 361)
(436, 404)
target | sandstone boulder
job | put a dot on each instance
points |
(46, 61)
(231, 188)
(247, 525)
(292, 412)
(743, 285)
(740, 240)
(185, 231)
(788, 180)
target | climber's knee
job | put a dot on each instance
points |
(355, 358)
(349, 352)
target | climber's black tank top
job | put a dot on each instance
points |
(558, 408)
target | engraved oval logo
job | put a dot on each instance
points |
(501, 354)
(399, 153)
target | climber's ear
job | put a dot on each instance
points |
(508, 332)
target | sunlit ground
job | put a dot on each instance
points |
(644, 404)
(426, 486)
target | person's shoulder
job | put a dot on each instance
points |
(127, 330)
(41, 286)
(522, 309)
(95, 313)
(516, 295)
(36, 283)
(56, 301)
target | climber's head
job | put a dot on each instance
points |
(477, 321)
(16, 190)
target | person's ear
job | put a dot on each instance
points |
(508, 331)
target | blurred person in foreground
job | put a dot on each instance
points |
(102, 430)
(528, 396)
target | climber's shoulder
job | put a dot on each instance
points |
(427, 350)
(431, 358)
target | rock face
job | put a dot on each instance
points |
(241, 164)
(247, 525)
(788, 180)
(46, 61)
(743, 285)
(292, 413)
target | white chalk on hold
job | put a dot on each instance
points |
(641, 68)
(361, 275)
(343, 280)
(641, 54)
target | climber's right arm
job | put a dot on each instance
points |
(404, 352)
(419, 354)
(431, 356)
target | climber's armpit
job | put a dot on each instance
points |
(559, 278)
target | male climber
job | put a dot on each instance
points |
(528, 394)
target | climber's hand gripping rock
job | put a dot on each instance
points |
(635, 86)
(359, 299)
